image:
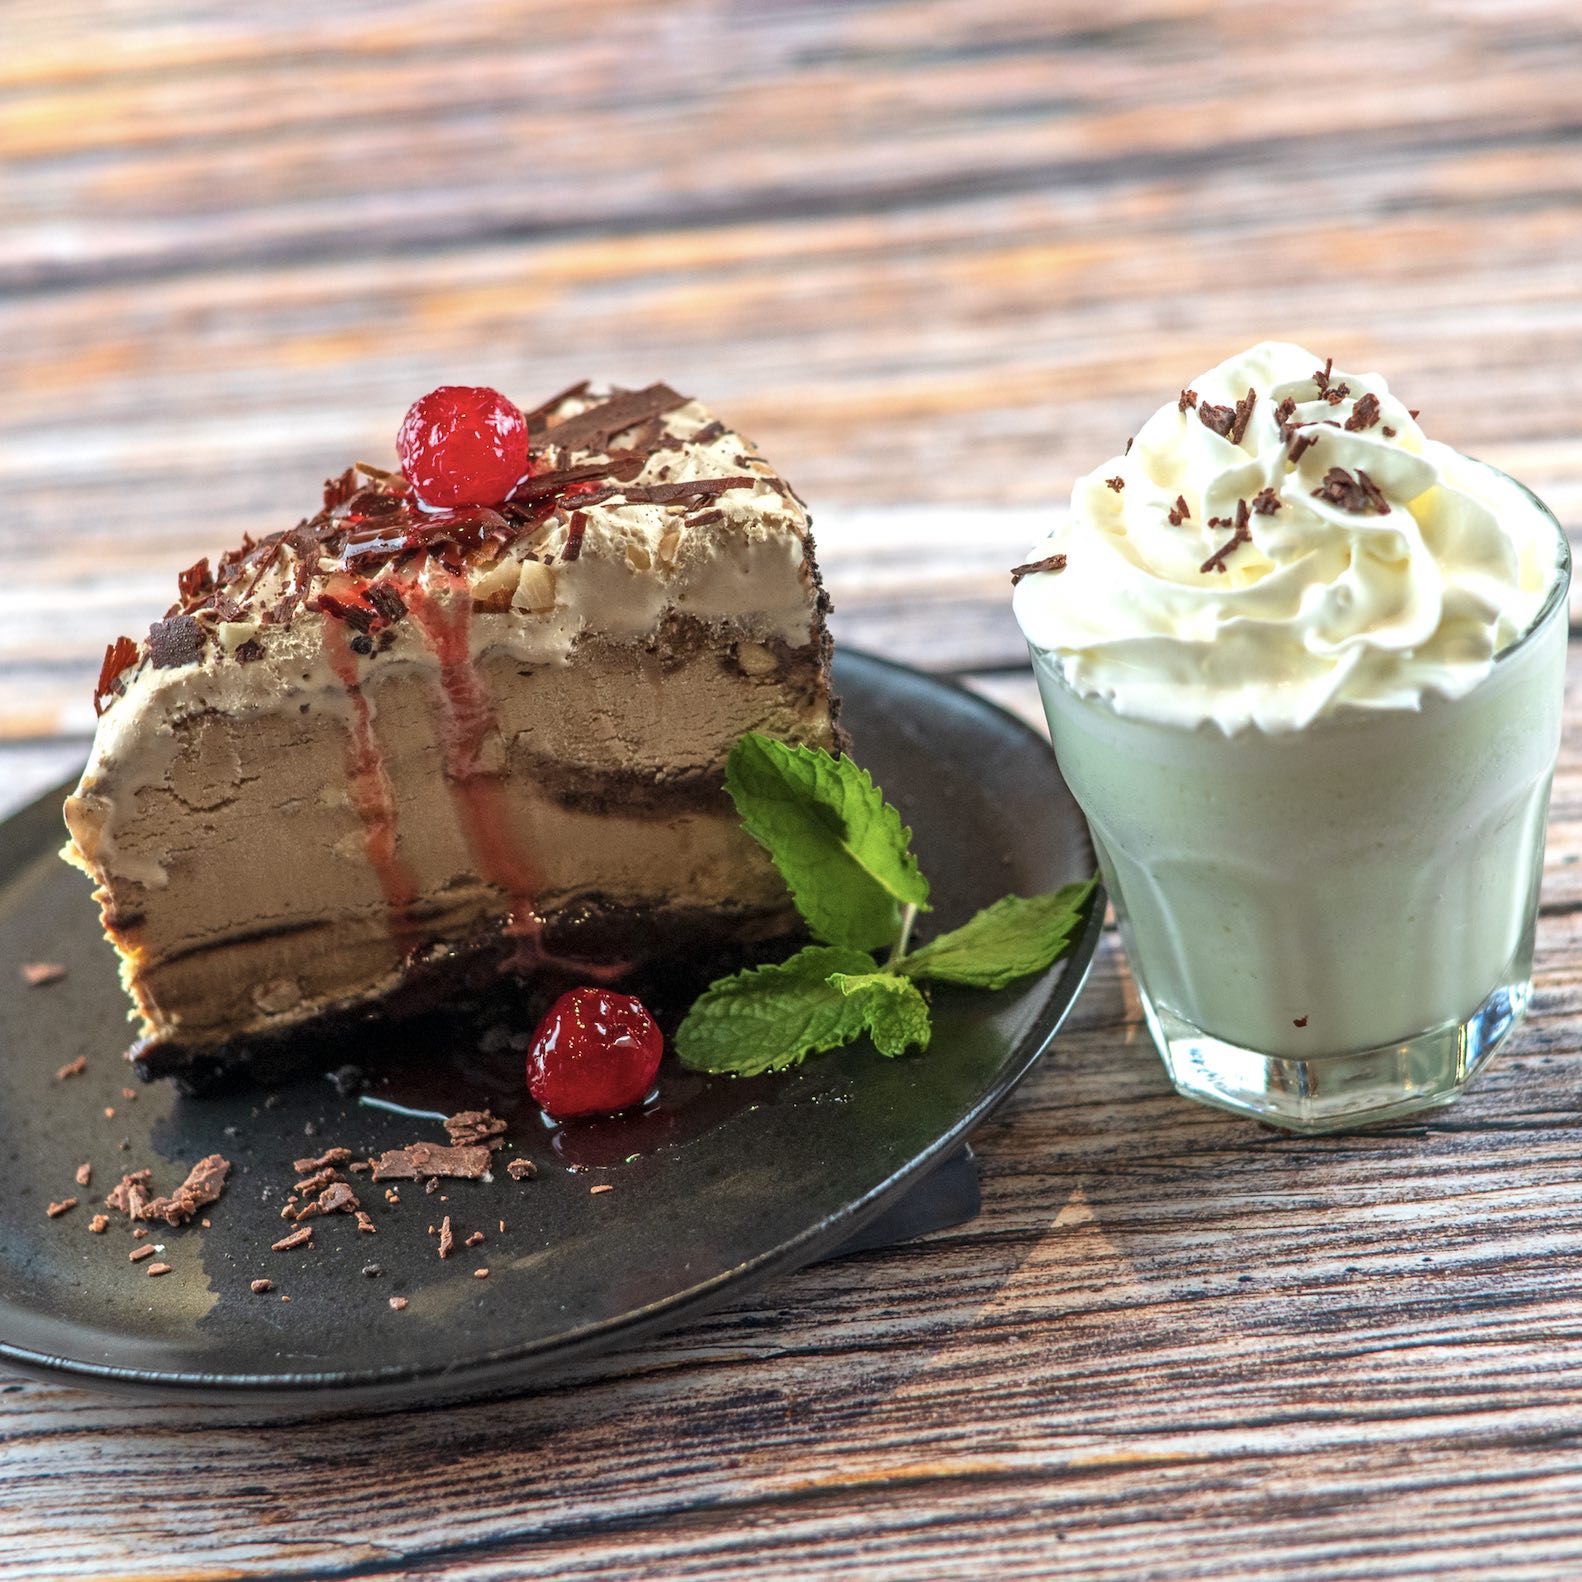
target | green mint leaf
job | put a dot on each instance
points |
(1004, 942)
(838, 844)
(768, 1018)
(894, 1012)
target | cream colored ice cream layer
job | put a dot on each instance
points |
(1279, 543)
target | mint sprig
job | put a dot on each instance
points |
(847, 858)
(838, 844)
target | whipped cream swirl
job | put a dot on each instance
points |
(1282, 542)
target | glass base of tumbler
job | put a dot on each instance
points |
(1334, 1092)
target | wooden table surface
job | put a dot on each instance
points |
(937, 257)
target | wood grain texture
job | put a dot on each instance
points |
(938, 257)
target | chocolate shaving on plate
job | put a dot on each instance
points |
(421, 1161)
(35, 974)
(521, 1170)
(204, 1183)
(331, 1156)
(475, 1126)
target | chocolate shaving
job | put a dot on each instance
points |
(541, 486)
(196, 582)
(475, 1126)
(85, 1174)
(1364, 414)
(130, 1194)
(330, 1157)
(364, 1223)
(447, 1238)
(338, 1199)
(1218, 418)
(316, 1182)
(1321, 375)
(1388, 432)
(594, 428)
(249, 651)
(570, 393)
(521, 1170)
(1285, 411)
(1116, 483)
(118, 657)
(1299, 1021)
(175, 641)
(1241, 535)
(388, 605)
(1048, 563)
(1300, 446)
(397, 1303)
(258, 1287)
(356, 616)
(66, 1204)
(1243, 416)
(296, 1239)
(420, 1161)
(204, 1183)
(710, 432)
(474, 1240)
(72, 1068)
(157, 1269)
(1188, 398)
(35, 974)
(704, 518)
(99, 1224)
(579, 526)
(663, 493)
(1266, 502)
(1356, 495)
(138, 1254)
(1178, 512)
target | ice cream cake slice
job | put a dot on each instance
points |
(396, 750)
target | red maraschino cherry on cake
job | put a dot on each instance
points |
(468, 718)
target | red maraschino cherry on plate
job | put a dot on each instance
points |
(596, 1052)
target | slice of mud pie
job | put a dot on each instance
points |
(467, 721)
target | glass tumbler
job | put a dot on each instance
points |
(1334, 925)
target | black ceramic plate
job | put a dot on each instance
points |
(723, 1185)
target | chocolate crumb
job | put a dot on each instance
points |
(85, 1174)
(595, 1191)
(364, 1223)
(258, 1287)
(1299, 1021)
(447, 1237)
(139, 1232)
(1266, 502)
(1117, 483)
(1188, 398)
(391, 1195)
(1353, 494)
(138, 1254)
(99, 1224)
(35, 974)
(205, 1181)
(1048, 563)
(129, 1093)
(1321, 375)
(246, 654)
(1179, 512)
(397, 1303)
(316, 1182)
(1364, 414)
(109, 1112)
(157, 1269)
(72, 1068)
(521, 1170)
(474, 1240)
(295, 1239)
(1388, 432)
(480, 1274)
(1218, 418)
(66, 1204)
(1299, 446)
